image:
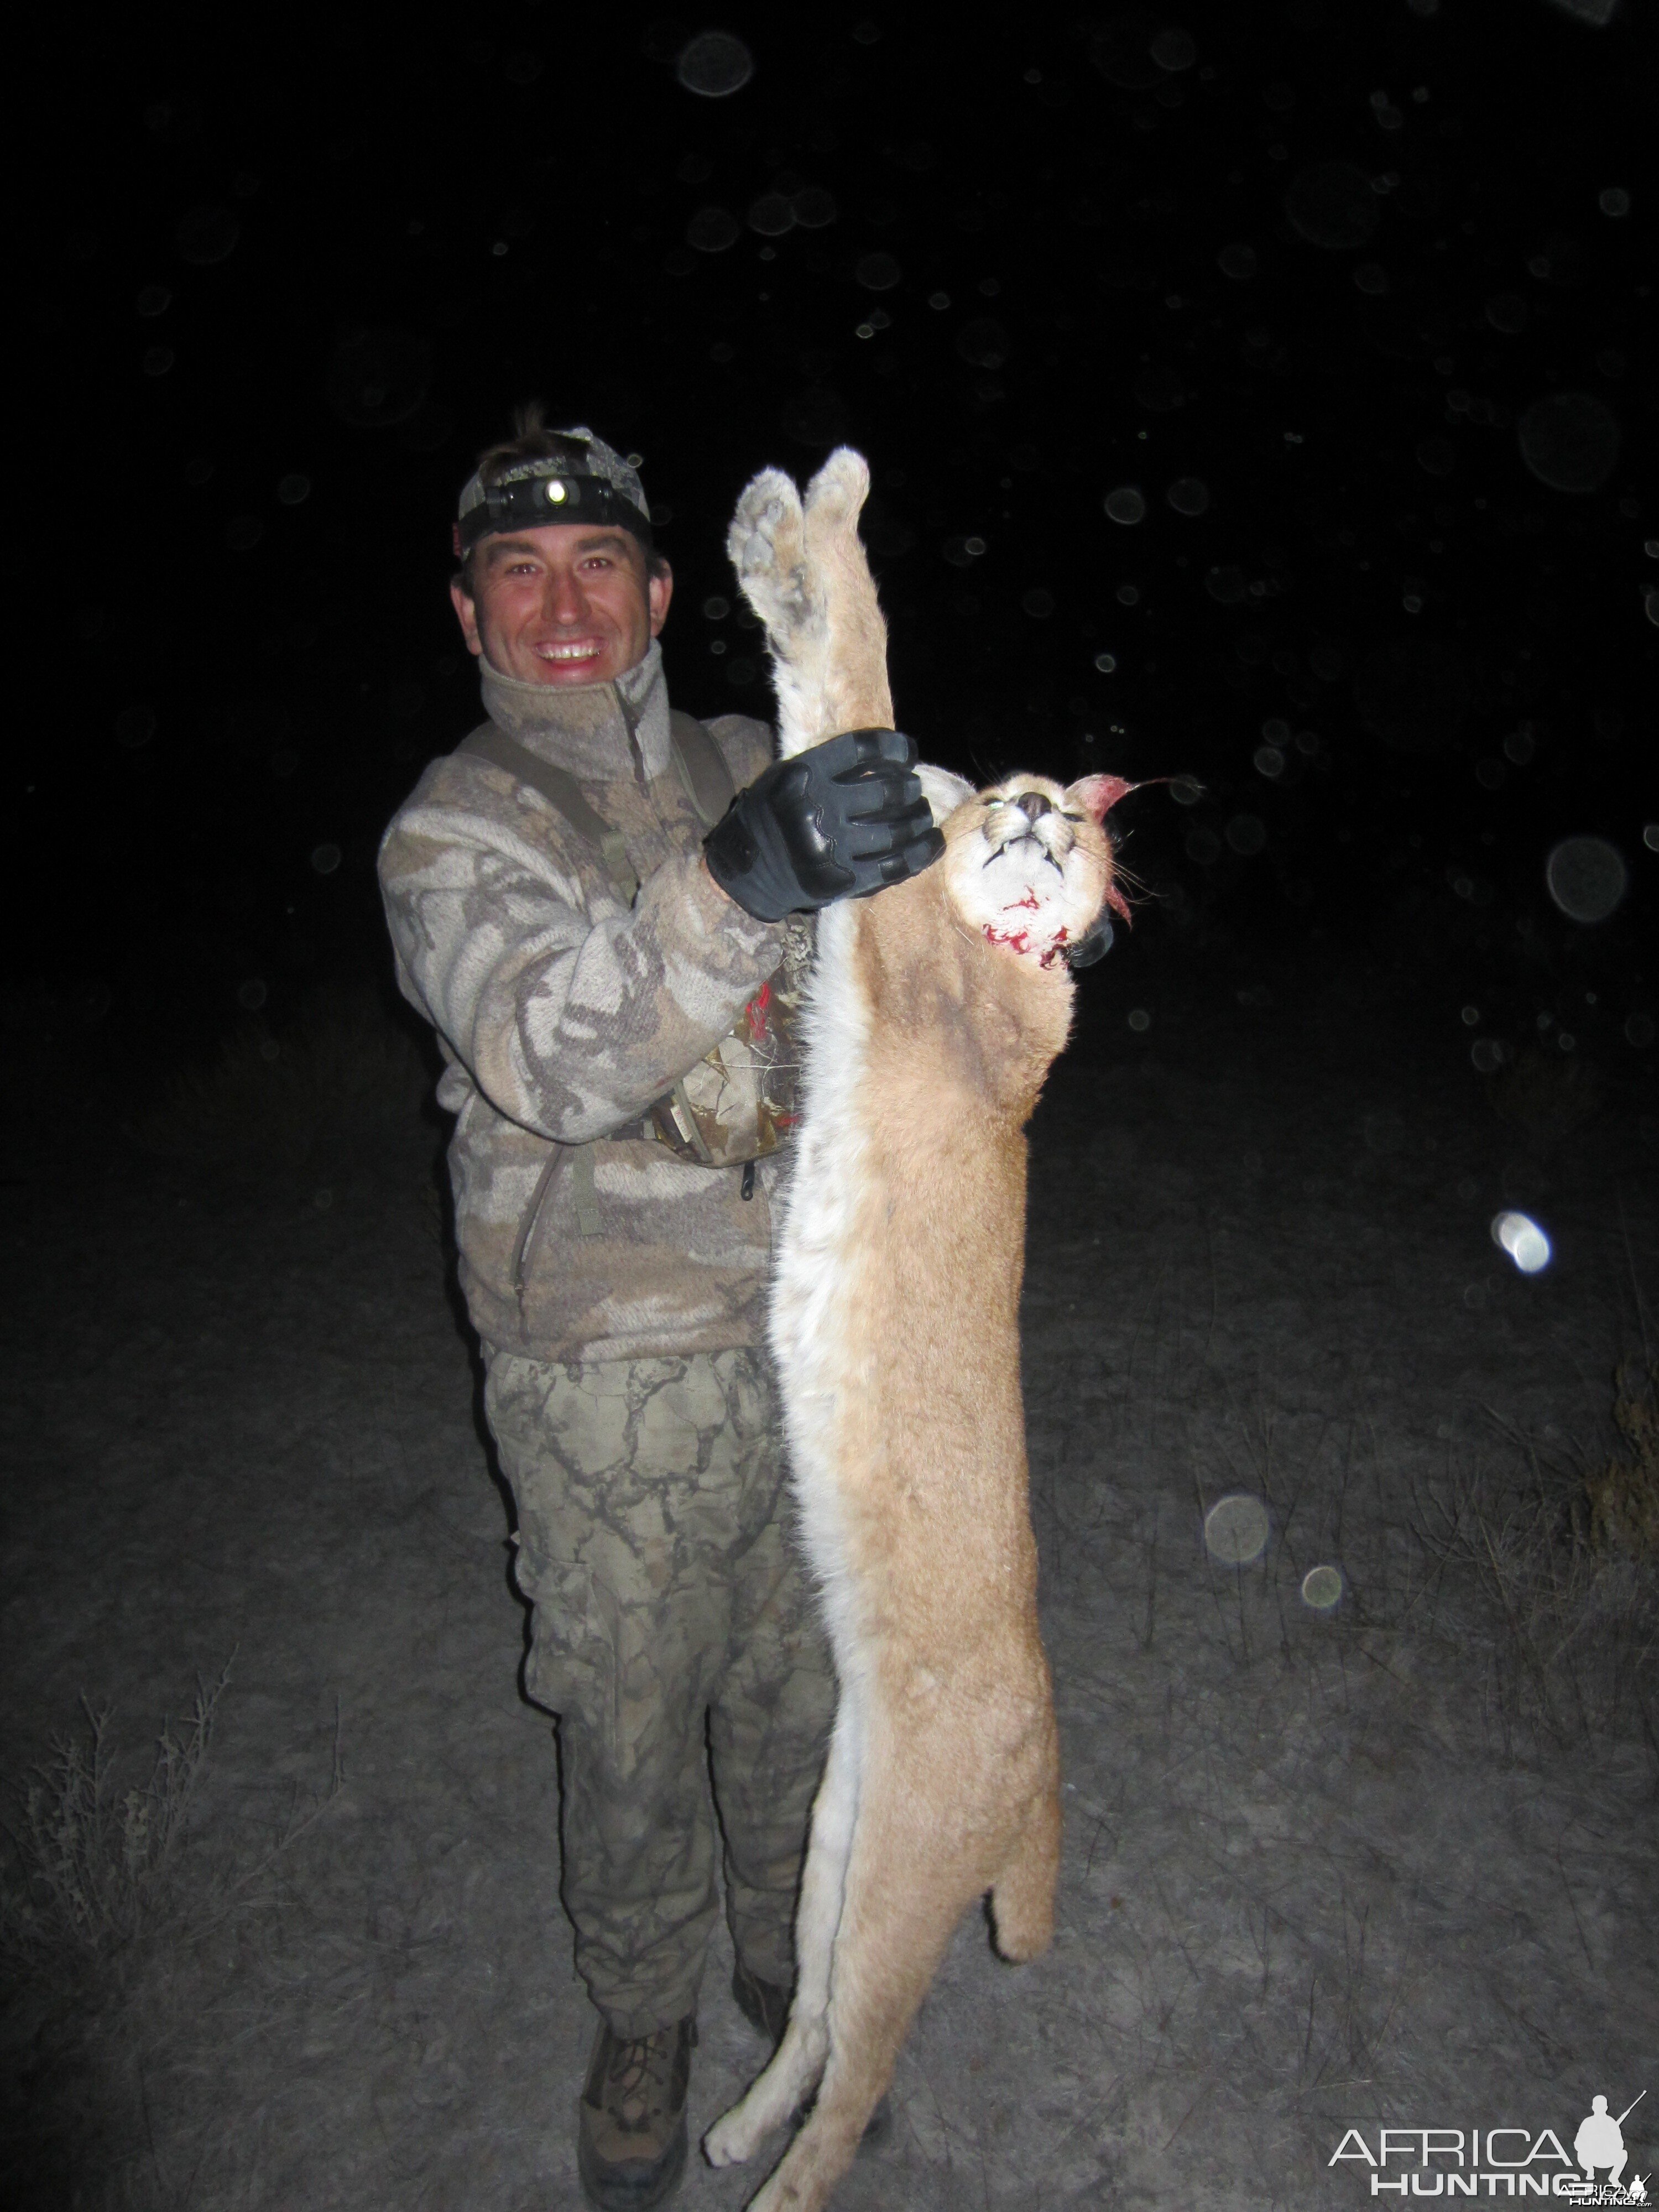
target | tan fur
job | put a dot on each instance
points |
(856, 694)
(908, 1395)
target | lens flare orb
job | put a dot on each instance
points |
(1235, 1530)
(1519, 1235)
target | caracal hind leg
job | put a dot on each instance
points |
(767, 545)
(799, 2061)
(856, 695)
(1023, 1894)
(901, 1912)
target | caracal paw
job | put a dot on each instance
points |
(837, 494)
(731, 2140)
(767, 546)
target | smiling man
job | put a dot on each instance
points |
(560, 602)
(595, 926)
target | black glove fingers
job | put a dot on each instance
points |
(896, 799)
(833, 757)
(872, 841)
(843, 818)
(880, 750)
(910, 859)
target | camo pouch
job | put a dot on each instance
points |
(739, 1103)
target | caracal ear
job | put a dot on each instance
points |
(1098, 794)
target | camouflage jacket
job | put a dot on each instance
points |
(562, 1014)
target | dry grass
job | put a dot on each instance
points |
(92, 1865)
(342, 1066)
(1566, 1546)
(1619, 1513)
(118, 1910)
(96, 1870)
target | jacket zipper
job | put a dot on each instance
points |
(527, 1229)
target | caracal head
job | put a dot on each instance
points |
(1028, 863)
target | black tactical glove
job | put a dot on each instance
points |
(1094, 943)
(839, 821)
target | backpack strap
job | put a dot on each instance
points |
(698, 759)
(563, 793)
(702, 768)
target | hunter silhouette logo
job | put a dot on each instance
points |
(1511, 2161)
(1601, 2141)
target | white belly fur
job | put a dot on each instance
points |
(814, 1259)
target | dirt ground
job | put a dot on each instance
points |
(1388, 1862)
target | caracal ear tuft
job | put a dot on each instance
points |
(1098, 794)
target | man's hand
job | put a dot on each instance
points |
(1094, 943)
(839, 821)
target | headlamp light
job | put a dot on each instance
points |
(585, 483)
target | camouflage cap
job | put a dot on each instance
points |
(582, 480)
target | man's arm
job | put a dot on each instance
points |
(570, 1013)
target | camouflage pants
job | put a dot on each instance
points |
(672, 1623)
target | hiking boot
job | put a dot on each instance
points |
(630, 2150)
(765, 2005)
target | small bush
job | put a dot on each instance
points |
(1620, 1509)
(342, 1066)
(1568, 1548)
(115, 1912)
(92, 1866)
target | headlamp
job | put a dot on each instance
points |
(584, 482)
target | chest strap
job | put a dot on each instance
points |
(702, 766)
(563, 793)
(697, 760)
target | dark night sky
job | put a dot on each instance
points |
(1368, 282)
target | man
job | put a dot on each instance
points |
(582, 940)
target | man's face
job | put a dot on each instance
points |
(563, 603)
